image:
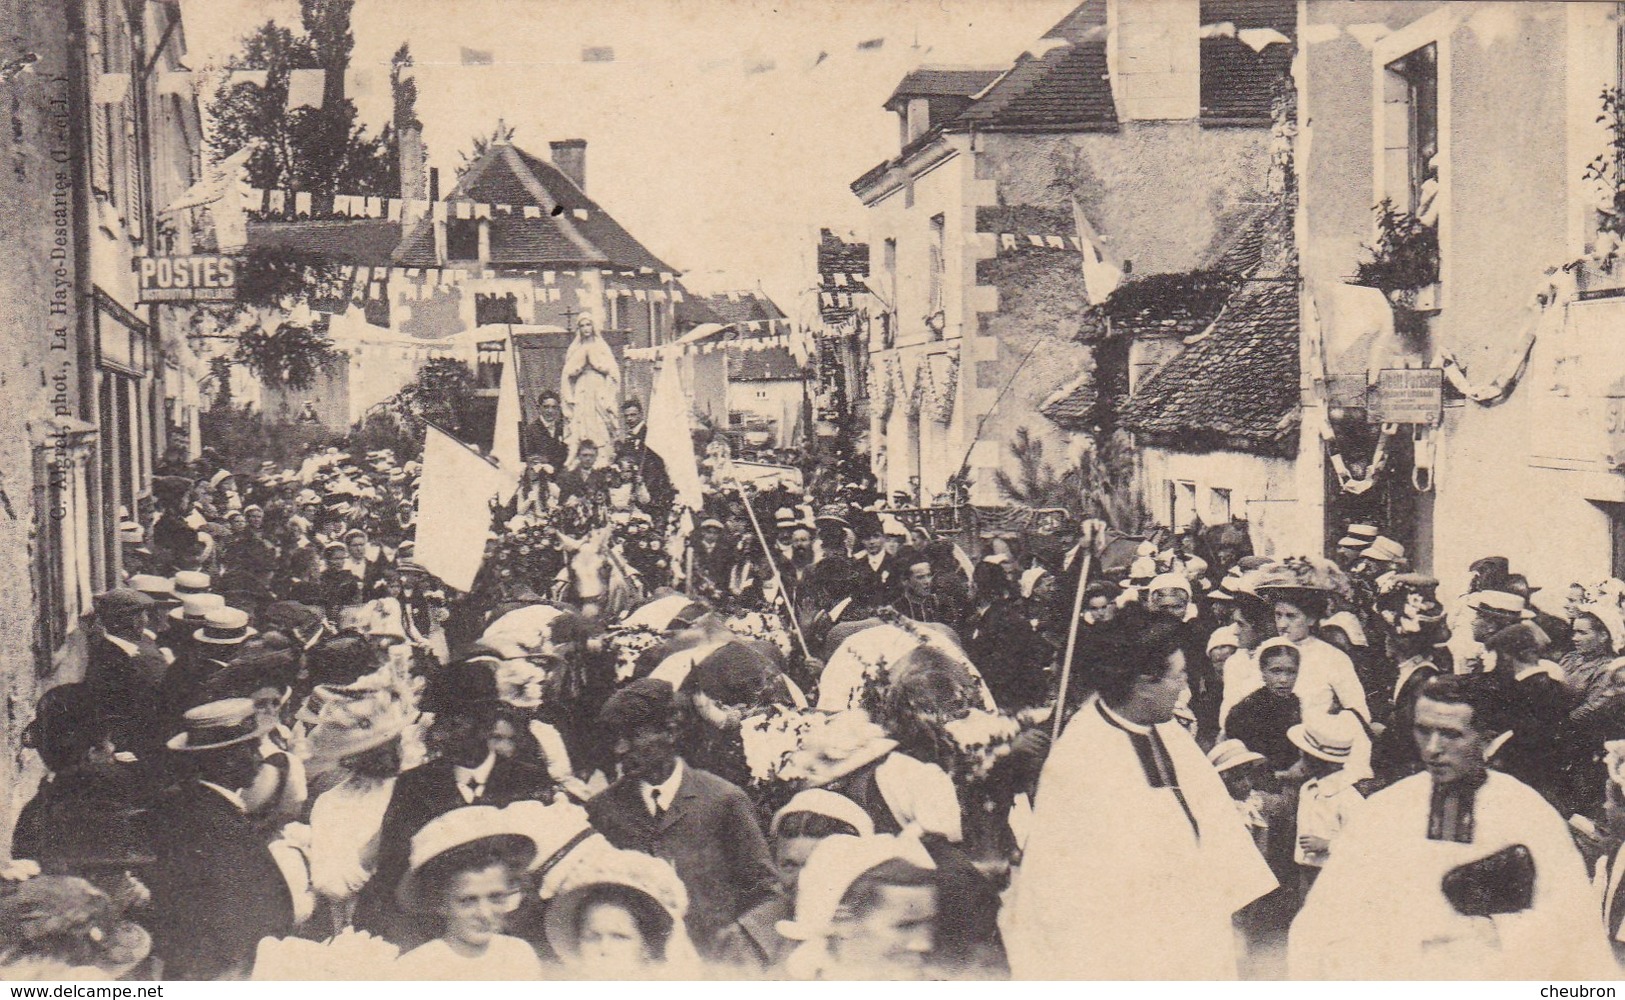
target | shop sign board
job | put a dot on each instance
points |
(1409, 396)
(191, 278)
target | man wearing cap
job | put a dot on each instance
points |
(1127, 797)
(125, 670)
(216, 890)
(710, 561)
(1457, 873)
(703, 825)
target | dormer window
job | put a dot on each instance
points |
(463, 239)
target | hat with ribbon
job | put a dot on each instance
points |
(191, 582)
(217, 724)
(845, 742)
(1327, 737)
(1499, 603)
(353, 726)
(225, 627)
(833, 514)
(651, 877)
(160, 588)
(1384, 549)
(194, 608)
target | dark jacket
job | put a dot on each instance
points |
(128, 692)
(709, 835)
(651, 469)
(1537, 706)
(1261, 720)
(422, 794)
(538, 444)
(215, 888)
(1012, 656)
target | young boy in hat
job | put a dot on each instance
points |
(1329, 798)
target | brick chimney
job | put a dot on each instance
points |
(570, 156)
(1153, 51)
(414, 181)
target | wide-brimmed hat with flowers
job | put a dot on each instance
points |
(845, 742)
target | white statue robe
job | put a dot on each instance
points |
(1122, 879)
(1378, 911)
(590, 395)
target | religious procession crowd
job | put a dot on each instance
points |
(793, 734)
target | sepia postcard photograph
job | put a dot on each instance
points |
(826, 490)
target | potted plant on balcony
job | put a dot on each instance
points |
(1607, 171)
(1404, 260)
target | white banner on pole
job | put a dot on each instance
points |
(454, 514)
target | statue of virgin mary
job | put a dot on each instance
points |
(590, 391)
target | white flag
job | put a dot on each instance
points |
(669, 435)
(1102, 272)
(454, 514)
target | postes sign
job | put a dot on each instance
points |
(195, 278)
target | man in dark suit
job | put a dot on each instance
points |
(880, 575)
(542, 440)
(216, 890)
(463, 698)
(703, 825)
(651, 467)
(125, 670)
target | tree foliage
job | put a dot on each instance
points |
(321, 150)
(1100, 484)
(480, 145)
(443, 393)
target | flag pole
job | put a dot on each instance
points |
(1071, 642)
(773, 564)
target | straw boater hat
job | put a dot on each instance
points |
(217, 724)
(1499, 603)
(467, 825)
(191, 582)
(1361, 535)
(225, 627)
(159, 588)
(1385, 550)
(1327, 737)
(784, 519)
(1228, 754)
(194, 608)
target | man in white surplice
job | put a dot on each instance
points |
(1379, 909)
(1137, 857)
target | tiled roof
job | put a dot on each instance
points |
(936, 81)
(1071, 405)
(1067, 86)
(1235, 388)
(692, 311)
(361, 242)
(776, 364)
(1238, 81)
(851, 261)
(742, 307)
(506, 175)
